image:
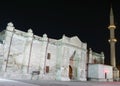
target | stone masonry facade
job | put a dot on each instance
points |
(24, 55)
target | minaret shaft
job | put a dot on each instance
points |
(112, 42)
(112, 54)
(112, 33)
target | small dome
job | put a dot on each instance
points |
(30, 31)
(45, 35)
(10, 24)
(63, 35)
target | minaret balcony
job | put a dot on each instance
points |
(112, 27)
(112, 40)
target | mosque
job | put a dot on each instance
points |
(24, 55)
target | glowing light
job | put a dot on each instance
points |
(106, 71)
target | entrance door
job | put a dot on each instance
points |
(70, 72)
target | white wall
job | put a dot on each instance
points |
(97, 72)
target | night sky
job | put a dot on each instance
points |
(88, 20)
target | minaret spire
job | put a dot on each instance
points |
(111, 16)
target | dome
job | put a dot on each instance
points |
(30, 31)
(10, 24)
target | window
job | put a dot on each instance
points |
(47, 69)
(48, 56)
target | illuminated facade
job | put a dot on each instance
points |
(24, 55)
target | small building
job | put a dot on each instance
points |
(96, 69)
(100, 72)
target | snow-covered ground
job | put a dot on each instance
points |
(6, 82)
(70, 83)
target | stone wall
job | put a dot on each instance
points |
(95, 58)
(27, 56)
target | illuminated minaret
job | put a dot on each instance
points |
(112, 42)
(112, 39)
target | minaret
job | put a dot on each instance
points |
(112, 42)
(112, 39)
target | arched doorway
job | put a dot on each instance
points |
(71, 67)
(70, 72)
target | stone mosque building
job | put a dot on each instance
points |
(24, 55)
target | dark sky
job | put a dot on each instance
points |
(88, 20)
